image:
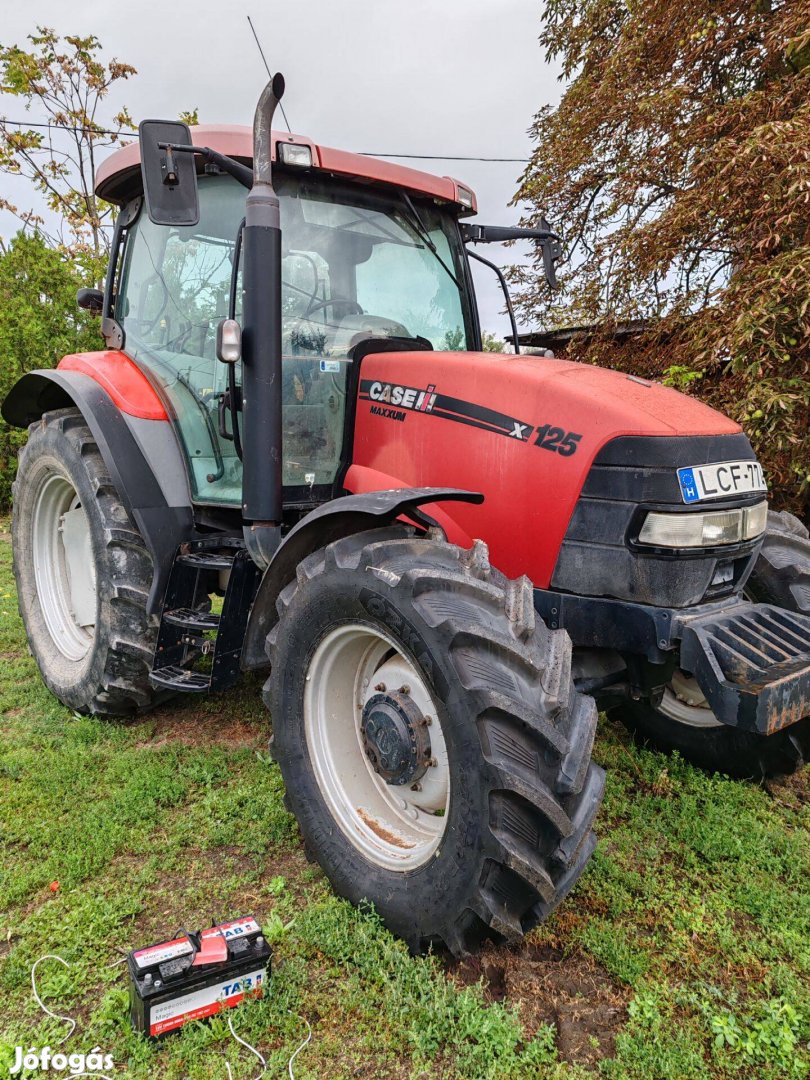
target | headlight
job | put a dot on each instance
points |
(704, 530)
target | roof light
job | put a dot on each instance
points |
(295, 154)
(704, 530)
(465, 197)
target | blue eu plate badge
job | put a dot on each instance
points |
(689, 489)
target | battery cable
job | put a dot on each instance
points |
(56, 1016)
(41, 1003)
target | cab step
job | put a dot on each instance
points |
(174, 677)
(195, 574)
(207, 560)
(192, 619)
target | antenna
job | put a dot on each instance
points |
(267, 68)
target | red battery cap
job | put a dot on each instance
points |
(213, 950)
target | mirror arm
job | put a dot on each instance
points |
(497, 234)
(507, 297)
(550, 242)
(235, 169)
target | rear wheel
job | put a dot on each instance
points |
(683, 720)
(432, 745)
(83, 572)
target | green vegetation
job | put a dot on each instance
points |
(692, 922)
(39, 323)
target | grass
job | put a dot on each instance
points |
(684, 951)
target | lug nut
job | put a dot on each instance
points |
(380, 688)
(405, 689)
(416, 787)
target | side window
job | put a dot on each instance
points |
(182, 305)
(175, 289)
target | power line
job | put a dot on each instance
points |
(68, 127)
(443, 157)
(360, 153)
(267, 69)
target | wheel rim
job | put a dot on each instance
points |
(398, 827)
(685, 702)
(64, 567)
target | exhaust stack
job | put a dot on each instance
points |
(261, 343)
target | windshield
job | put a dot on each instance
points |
(356, 263)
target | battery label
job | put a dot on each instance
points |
(157, 954)
(202, 1003)
(234, 929)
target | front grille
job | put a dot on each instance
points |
(629, 476)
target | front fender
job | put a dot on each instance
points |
(160, 508)
(332, 521)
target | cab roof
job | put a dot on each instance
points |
(118, 178)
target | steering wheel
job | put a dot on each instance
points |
(332, 302)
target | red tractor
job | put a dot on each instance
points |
(445, 560)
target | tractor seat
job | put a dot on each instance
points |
(353, 329)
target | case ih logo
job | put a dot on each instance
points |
(418, 399)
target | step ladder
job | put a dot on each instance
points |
(188, 636)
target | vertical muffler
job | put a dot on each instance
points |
(261, 343)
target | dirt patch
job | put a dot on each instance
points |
(218, 727)
(573, 992)
(790, 791)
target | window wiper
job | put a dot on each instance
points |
(416, 223)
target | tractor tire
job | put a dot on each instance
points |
(781, 576)
(83, 573)
(433, 748)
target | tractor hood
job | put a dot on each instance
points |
(525, 431)
(615, 403)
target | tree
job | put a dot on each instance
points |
(69, 82)
(39, 323)
(492, 343)
(678, 166)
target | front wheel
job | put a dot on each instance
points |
(83, 572)
(432, 745)
(683, 720)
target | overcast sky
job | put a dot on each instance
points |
(460, 77)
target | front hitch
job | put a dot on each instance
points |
(752, 662)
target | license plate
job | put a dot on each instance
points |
(720, 480)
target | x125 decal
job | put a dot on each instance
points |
(556, 439)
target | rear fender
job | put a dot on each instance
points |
(141, 455)
(332, 521)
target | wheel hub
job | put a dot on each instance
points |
(395, 737)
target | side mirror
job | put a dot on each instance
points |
(169, 175)
(90, 300)
(229, 341)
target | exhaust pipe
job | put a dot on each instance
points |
(261, 343)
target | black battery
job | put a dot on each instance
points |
(169, 985)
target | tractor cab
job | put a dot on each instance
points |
(360, 258)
